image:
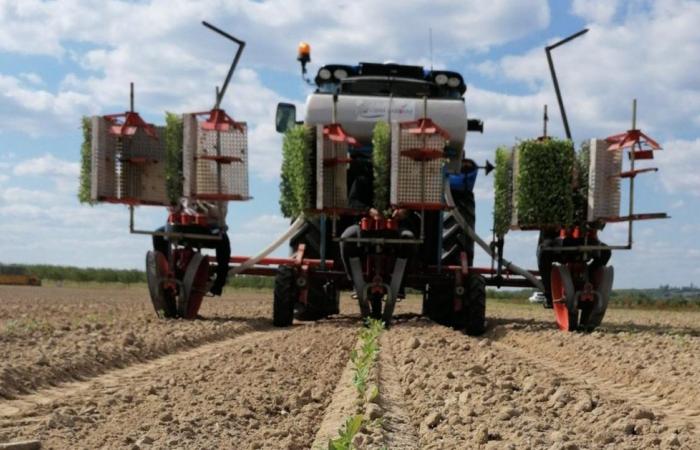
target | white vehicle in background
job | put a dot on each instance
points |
(537, 297)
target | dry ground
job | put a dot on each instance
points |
(93, 367)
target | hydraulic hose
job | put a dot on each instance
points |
(475, 237)
(298, 223)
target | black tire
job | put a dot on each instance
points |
(285, 296)
(322, 301)
(454, 239)
(162, 299)
(375, 302)
(474, 308)
(438, 303)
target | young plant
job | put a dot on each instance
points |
(173, 156)
(503, 187)
(347, 433)
(545, 183)
(85, 161)
(297, 178)
(381, 149)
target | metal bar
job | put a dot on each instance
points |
(280, 261)
(241, 46)
(379, 240)
(176, 235)
(323, 241)
(632, 156)
(553, 73)
(131, 97)
(586, 248)
(558, 92)
(570, 38)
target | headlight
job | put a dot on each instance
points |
(453, 82)
(324, 74)
(440, 79)
(340, 74)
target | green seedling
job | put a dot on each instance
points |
(297, 171)
(347, 433)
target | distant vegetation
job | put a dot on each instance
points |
(663, 297)
(127, 276)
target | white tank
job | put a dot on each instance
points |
(358, 114)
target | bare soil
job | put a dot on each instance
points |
(94, 368)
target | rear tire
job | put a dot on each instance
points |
(376, 305)
(285, 296)
(474, 308)
(454, 239)
(564, 300)
(438, 304)
(162, 299)
(321, 302)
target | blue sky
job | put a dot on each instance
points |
(62, 60)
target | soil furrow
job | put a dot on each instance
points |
(116, 378)
(260, 390)
(464, 392)
(399, 432)
(677, 415)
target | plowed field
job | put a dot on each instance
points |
(94, 368)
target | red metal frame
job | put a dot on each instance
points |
(218, 120)
(423, 154)
(220, 159)
(630, 138)
(336, 133)
(425, 126)
(126, 124)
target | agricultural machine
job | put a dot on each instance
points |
(379, 192)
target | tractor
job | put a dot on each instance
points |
(413, 240)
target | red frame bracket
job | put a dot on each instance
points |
(128, 123)
(218, 120)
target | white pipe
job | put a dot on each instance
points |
(270, 248)
(475, 237)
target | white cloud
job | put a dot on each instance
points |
(20, 196)
(651, 55)
(47, 165)
(601, 11)
(678, 166)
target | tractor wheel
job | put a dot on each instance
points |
(285, 296)
(195, 284)
(162, 299)
(474, 307)
(593, 316)
(375, 301)
(454, 239)
(564, 299)
(310, 235)
(322, 300)
(438, 302)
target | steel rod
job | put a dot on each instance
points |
(379, 240)
(553, 73)
(241, 46)
(176, 235)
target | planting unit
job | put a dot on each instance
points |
(377, 184)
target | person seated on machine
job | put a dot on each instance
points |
(215, 215)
